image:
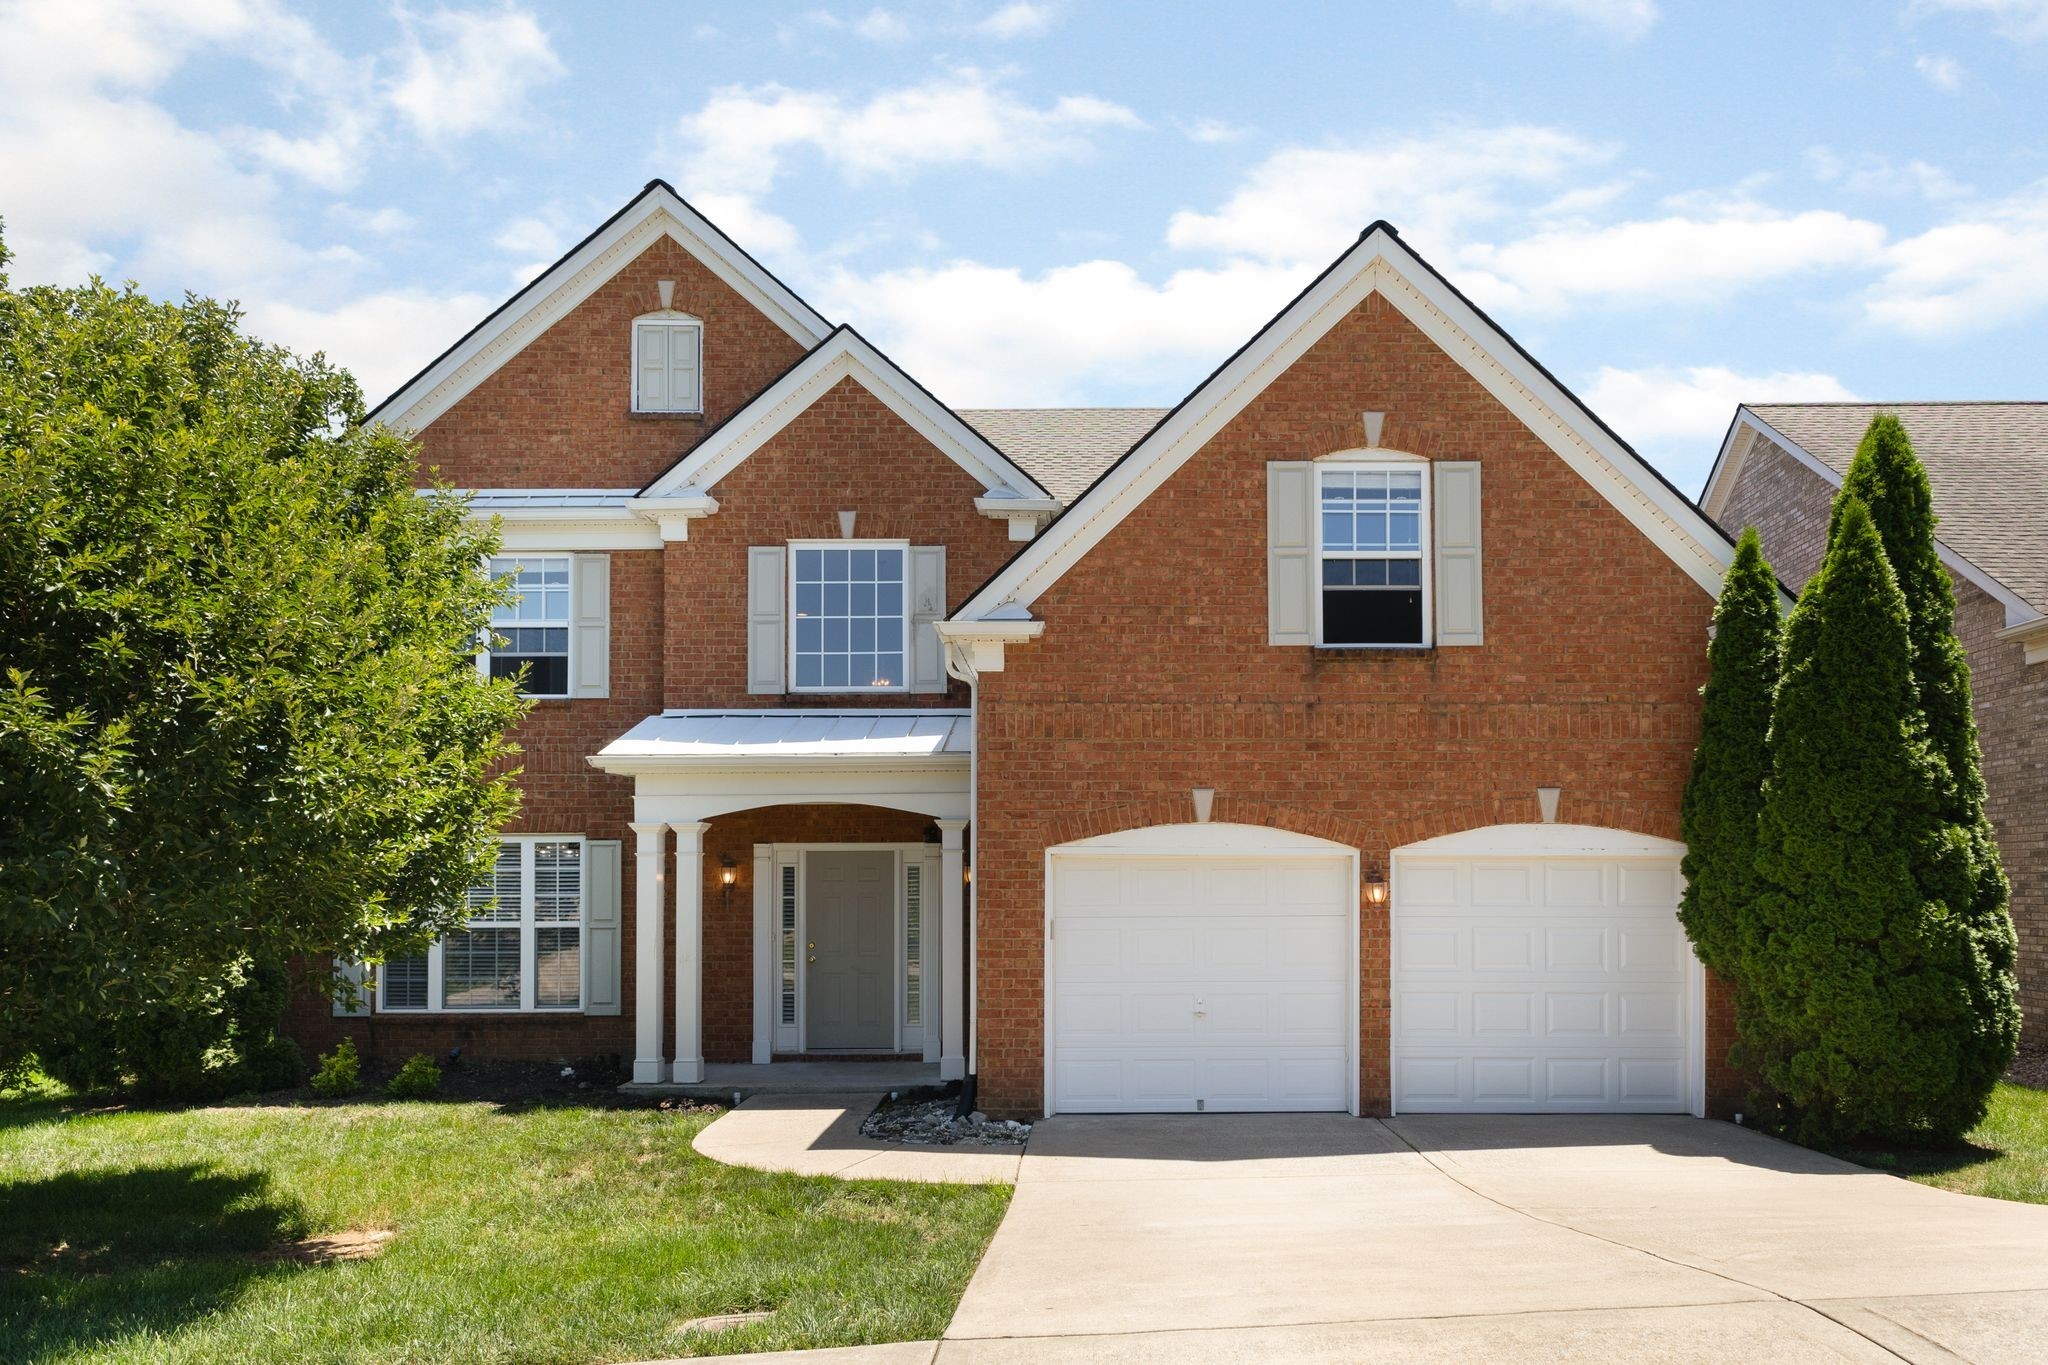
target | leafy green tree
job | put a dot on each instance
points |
(1725, 793)
(1862, 969)
(240, 719)
(1890, 480)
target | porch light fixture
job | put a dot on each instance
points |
(728, 874)
(1375, 887)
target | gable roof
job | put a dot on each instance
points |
(1065, 449)
(1987, 462)
(655, 212)
(843, 354)
(1378, 262)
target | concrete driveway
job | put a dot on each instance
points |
(1308, 1237)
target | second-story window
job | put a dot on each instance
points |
(531, 632)
(1375, 576)
(668, 364)
(849, 616)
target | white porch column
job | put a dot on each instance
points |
(689, 1063)
(767, 954)
(952, 964)
(649, 909)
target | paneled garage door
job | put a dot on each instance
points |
(1211, 983)
(1540, 983)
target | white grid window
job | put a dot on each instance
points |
(849, 616)
(1374, 589)
(522, 948)
(530, 634)
(668, 355)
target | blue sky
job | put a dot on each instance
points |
(1674, 206)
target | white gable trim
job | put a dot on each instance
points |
(1748, 428)
(658, 212)
(1379, 263)
(845, 354)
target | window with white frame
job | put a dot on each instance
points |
(531, 632)
(1374, 561)
(849, 616)
(522, 948)
(668, 369)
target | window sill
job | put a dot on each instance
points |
(556, 1013)
(637, 415)
(1367, 651)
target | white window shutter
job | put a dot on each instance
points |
(683, 346)
(1460, 601)
(590, 626)
(1291, 553)
(601, 926)
(767, 627)
(927, 609)
(353, 973)
(652, 379)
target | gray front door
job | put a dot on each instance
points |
(850, 951)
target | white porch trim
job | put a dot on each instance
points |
(689, 1063)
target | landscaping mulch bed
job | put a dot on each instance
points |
(2030, 1068)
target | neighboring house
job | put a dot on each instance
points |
(1779, 470)
(1315, 744)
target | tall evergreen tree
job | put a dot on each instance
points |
(1889, 479)
(1725, 793)
(1862, 969)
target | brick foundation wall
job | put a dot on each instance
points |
(1154, 677)
(1788, 504)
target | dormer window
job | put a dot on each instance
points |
(668, 363)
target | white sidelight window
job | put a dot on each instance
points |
(522, 948)
(668, 355)
(531, 632)
(1373, 555)
(849, 616)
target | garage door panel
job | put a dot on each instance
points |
(1531, 984)
(1218, 983)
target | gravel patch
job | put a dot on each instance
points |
(930, 1123)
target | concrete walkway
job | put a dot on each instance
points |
(1334, 1239)
(820, 1135)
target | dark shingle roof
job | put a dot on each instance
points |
(1066, 449)
(1988, 463)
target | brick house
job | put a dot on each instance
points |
(1779, 469)
(1314, 744)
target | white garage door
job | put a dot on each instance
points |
(1540, 983)
(1209, 983)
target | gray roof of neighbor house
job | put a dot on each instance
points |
(1066, 449)
(1988, 463)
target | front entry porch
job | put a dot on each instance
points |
(815, 903)
(724, 1080)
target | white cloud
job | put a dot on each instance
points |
(1873, 174)
(382, 338)
(1665, 260)
(1019, 20)
(1211, 131)
(880, 26)
(2026, 20)
(737, 142)
(468, 71)
(1674, 416)
(1983, 269)
(1627, 19)
(1304, 204)
(1943, 73)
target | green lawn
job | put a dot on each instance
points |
(557, 1233)
(2005, 1157)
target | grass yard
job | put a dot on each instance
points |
(552, 1233)
(2005, 1157)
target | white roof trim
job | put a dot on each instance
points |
(1378, 263)
(842, 355)
(897, 738)
(658, 211)
(1735, 451)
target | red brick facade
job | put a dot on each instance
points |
(1788, 504)
(1154, 677)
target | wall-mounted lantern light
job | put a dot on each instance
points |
(1375, 887)
(728, 874)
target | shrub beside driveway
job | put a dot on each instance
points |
(552, 1233)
